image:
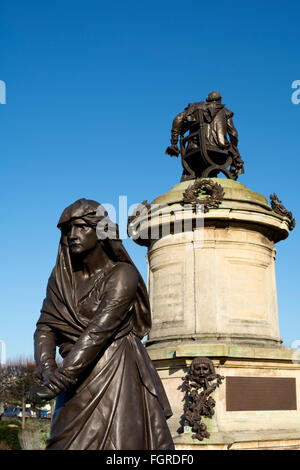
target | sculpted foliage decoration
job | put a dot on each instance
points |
(279, 208)
(213, 191)
(199, 383)
(141, 209)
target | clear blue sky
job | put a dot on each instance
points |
(92, 88)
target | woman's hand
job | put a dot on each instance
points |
(56, 381)
(47, 373)
(59, 381)
(39, 393)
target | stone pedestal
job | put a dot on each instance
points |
(242, 429)
(212, 290)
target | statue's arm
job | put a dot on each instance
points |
(232, 132)
(237, 166)
(44, 354)
(177, 126)
(120, 291)
(44, 350)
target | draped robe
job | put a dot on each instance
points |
(118, 401)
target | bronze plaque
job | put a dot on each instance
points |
(260, 393)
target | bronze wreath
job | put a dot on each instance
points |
(279, 208)
(202, 186)
(140, 209)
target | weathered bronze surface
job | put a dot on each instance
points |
(260, 393)
(279, 208)
(109, 395)
(206, 150)
(141, 209)
(213, 191)
(200, 382)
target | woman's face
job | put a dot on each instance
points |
(81, 237)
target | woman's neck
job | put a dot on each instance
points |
(95, 260)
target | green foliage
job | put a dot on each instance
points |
(33, 437)
(44, 435)
(35, 434)
(9, 435)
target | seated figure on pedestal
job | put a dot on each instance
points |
(206, 150)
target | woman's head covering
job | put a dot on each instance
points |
(91, 211)
(59, 309)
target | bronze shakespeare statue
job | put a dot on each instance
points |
(109, 395)
(206, 150)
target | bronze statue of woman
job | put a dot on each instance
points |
(109, 395)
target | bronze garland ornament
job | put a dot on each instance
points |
(279, 208)
(199, 383)
(141, 209)
(133, 222)
(213, 191)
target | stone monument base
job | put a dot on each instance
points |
(257, 405)
(212, 288)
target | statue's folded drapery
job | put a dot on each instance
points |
(118, 401)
